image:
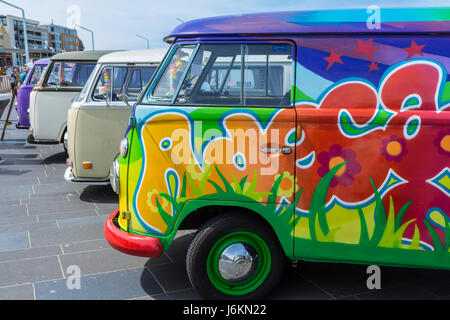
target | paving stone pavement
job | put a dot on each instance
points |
(48, 225)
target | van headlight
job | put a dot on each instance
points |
(124, 147)
(114, 176)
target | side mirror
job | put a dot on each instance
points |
(123, 98)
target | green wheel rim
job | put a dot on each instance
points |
(255, 280)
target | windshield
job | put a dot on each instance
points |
(115, 81)
(70, 74)
(169, 82)
(37, 74)
(226, 74)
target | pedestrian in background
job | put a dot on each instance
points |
(14, 80)
(23, 74)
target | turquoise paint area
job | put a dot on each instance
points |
(360, 15)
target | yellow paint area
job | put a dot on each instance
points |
(346, 222)
(394, 148)
(437, 217)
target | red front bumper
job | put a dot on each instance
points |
(130, 243)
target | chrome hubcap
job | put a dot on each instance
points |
(238, 262)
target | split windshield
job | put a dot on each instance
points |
(226, 75)
(70, 74)
(37, 74)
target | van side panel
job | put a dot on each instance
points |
(182, 159)
(374, 160)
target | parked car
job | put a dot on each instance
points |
(348, 163)
(99, 116)
(63, 81)
(33, 79)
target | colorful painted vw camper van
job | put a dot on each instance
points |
(64, 79)
(33, 79)
(315, 136)
(99, 116)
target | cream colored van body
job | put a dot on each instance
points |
(98, 118)
(64, 79)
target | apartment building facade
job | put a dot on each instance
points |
(43, 40)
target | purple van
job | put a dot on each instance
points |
(23, 94)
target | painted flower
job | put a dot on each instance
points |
(334, 157)
(151, 201)
(394, 148)
(406, 165)
(287, 185)
(442, 142)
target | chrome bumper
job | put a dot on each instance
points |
(66, 141)
(32, 140)
(114, 176)
(69, 177)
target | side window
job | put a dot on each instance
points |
(138, 81)
(88, 84)
(103, 87)
(258, 75)
(147, 74)
(120, 75)
(134, 85)
(80, 73)
(67, 74)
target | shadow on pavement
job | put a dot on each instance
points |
(58, 158)
(99, 194)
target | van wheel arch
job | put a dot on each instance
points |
(196, 219)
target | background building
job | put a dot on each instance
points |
(5, 57)
(43, 40)
(62, 38)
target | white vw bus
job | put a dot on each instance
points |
(63, 80)
(99, 115)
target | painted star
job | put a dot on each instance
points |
(374, 66)
(414, 49)
(333, 58)
(366, 47)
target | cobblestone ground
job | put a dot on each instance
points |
(48, 225)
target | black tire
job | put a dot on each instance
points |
(214, 230)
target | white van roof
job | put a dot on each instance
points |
(135, 56)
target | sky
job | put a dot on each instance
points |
(116, 22)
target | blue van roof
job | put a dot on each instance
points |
(410, 20)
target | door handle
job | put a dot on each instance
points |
(283, 150)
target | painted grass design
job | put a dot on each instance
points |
(389, 226)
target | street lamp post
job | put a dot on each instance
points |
(25, 36)
(147, 39)
(92, 33)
